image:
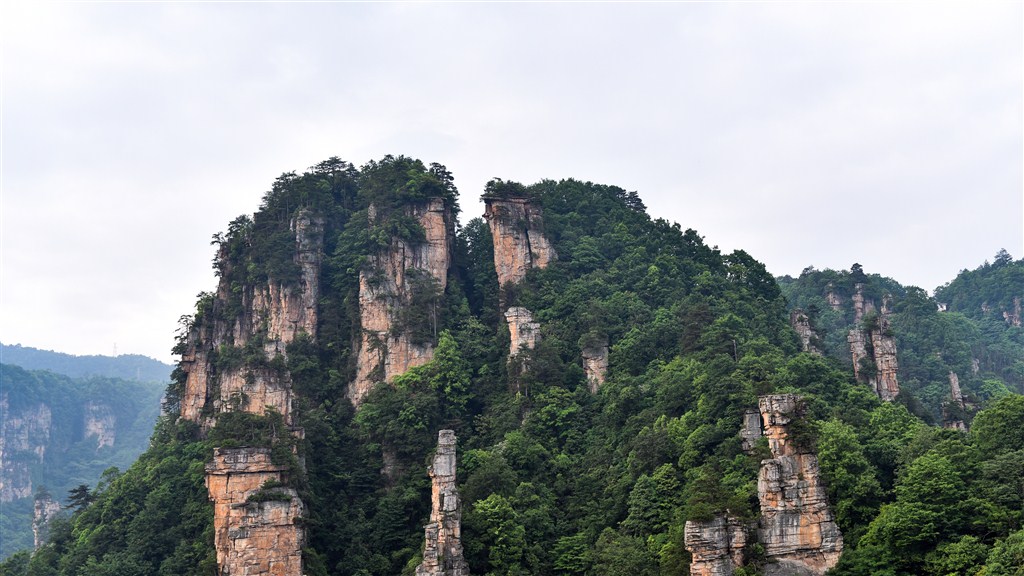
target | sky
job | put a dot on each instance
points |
(806, 133)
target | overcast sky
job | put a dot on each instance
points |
(805, 133)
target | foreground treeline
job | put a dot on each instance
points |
(556, 479)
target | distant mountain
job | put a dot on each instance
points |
(126, 366)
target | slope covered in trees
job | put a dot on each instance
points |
(559, 472)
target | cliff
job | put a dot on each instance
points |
(258, 528)
(389, 287)
(100, 423)
(24, 439)
(517, 229)
(716, 546)
(872, 340)
(233, 355)
(44, 509)
(595, 364)
(802, 325)
(442, 548)
(796, 527)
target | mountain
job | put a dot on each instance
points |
(126, 366)
(60, 432)
(564, 386)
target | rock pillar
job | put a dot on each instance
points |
(442, 548)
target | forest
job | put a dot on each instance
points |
(558, 475)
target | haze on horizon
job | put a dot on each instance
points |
(807, 134)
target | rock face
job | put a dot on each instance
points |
(517, 229)
(1013, 318)
(716, 545)
(100, 423)
(796, 527)
(958, 406)
(751, 431)
(833, 299)
(24, 436)
(802, 324)
(595, 364)
(257, 530)
(442, 549)
(387, 287)
(876, 344)
(268, 317)
(43, 510)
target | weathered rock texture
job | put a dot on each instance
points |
(751, 431)
(268, 317)
(24, 436)
(517, 228)
(257, 530)
(875, 343)
(386, 289)
(796, 527)
(44, 509)
(595, 364)
(1013, 318)
(952, 418)
(524, 332)
(833, 299)
(802, 324)
(442, 549)
(100, 423)
(716, 545)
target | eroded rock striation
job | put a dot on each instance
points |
(802, 325)
(24, 436)
(595, 364)
(387, 287)
(221, 374)
(442, 548)
(716, 546)
(257, 523)
(873, 347)
(100, 423)
(953, 414)
(523, 331)
(44, 509)
(797, 529)
(1013, 318)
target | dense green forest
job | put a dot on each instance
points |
(125, 366)
(62, 432)
(556, 479)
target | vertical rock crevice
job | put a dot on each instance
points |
(796, 528)
(801, 323)
(873, 347)
(716, 546)
(388, 287)
(442, 547)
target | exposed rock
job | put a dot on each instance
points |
(524, 332)
(24, 436)
(1013, 318)
(751, 431)
(44, 509)
(442, 549)
(858, 351)
(954, 389)
(833, 299)
(271, 316)
(386, 289)
(975, 366)
(517, 229)
(802, 324)
(595, 364)
(952, 417)
(100, 423)
(796, 527)
(257, 530)
(716, 545)
(883, 346)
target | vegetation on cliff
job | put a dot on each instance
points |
(556, 479)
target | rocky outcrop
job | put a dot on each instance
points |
(872, 340)
(953, 414)
(716, 546)
(387, 287)
(595, 364)
(221, 376)
(44, 509)
(24, 436)
(751, 430)
(523, 331)
(517, 229)
(257, 523)
(100, 423)
(796, 528)
(802, 325)
(442, 549)
(1013, 318)
(833, 299)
